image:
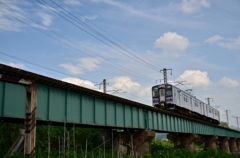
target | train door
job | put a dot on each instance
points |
(162, 96)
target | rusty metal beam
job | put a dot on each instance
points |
(30, 121)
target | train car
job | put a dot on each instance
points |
(170, 97)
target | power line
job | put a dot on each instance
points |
(83, 24)
(227, 116)
(149, 62)
(84, 48)
(117, 67)
(47, 68)
(44, 34)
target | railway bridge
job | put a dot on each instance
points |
(32, 97)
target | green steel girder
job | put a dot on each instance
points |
(59, 105)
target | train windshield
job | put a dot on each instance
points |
(168, 90)
(155, 92)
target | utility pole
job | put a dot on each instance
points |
(165, 74)
(208, 99)
(227, 116)
(237, 122)
(104, 85)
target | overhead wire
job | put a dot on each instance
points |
(52, 8)
(94, 37)
(47, 68)
(131, 95)
(44, 67)
(117, 67)
(195, 92)
(144, 57)
(119, 46)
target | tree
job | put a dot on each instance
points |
(224, 124)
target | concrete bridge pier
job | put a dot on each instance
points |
(210, 142)
(238, 144)
(130, 141)
(223, 144)
(183, 140)
(141, 141)
(233, 145)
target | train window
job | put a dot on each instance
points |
(169, 91)
(196, 103)
(155, 92)
(184, 98)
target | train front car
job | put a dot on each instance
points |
(155, 98)
(162, 96)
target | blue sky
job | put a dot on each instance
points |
(128, 43)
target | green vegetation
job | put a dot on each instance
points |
(184, 153)
(224, 124)
(164, 149)
(86, 143)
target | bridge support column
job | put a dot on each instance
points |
(238, 144)
(141, 141)
(210, 142)
(183, 140)
(233, 145)
(30, 121)
(131, 142)
(223, 144)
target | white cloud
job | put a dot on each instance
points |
(79, 82)
(119, 85)
(232, 44)
(132, 9)
(46, 18)
(9, 11)
(17, 65)
(172, 43)
(227, 82)
(72, 68)
(197, 77)
(191, 6)
(124, 82)
(214, 39)
(127, 85)
(89, 64)
(72, 2)
(89, 17)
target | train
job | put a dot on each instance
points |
(170, 97)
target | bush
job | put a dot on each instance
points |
(161, 147)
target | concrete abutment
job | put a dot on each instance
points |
(130, 141)
(209, 142)
(183, 140)
(233, 145)
(238, 144)
(223, 144)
